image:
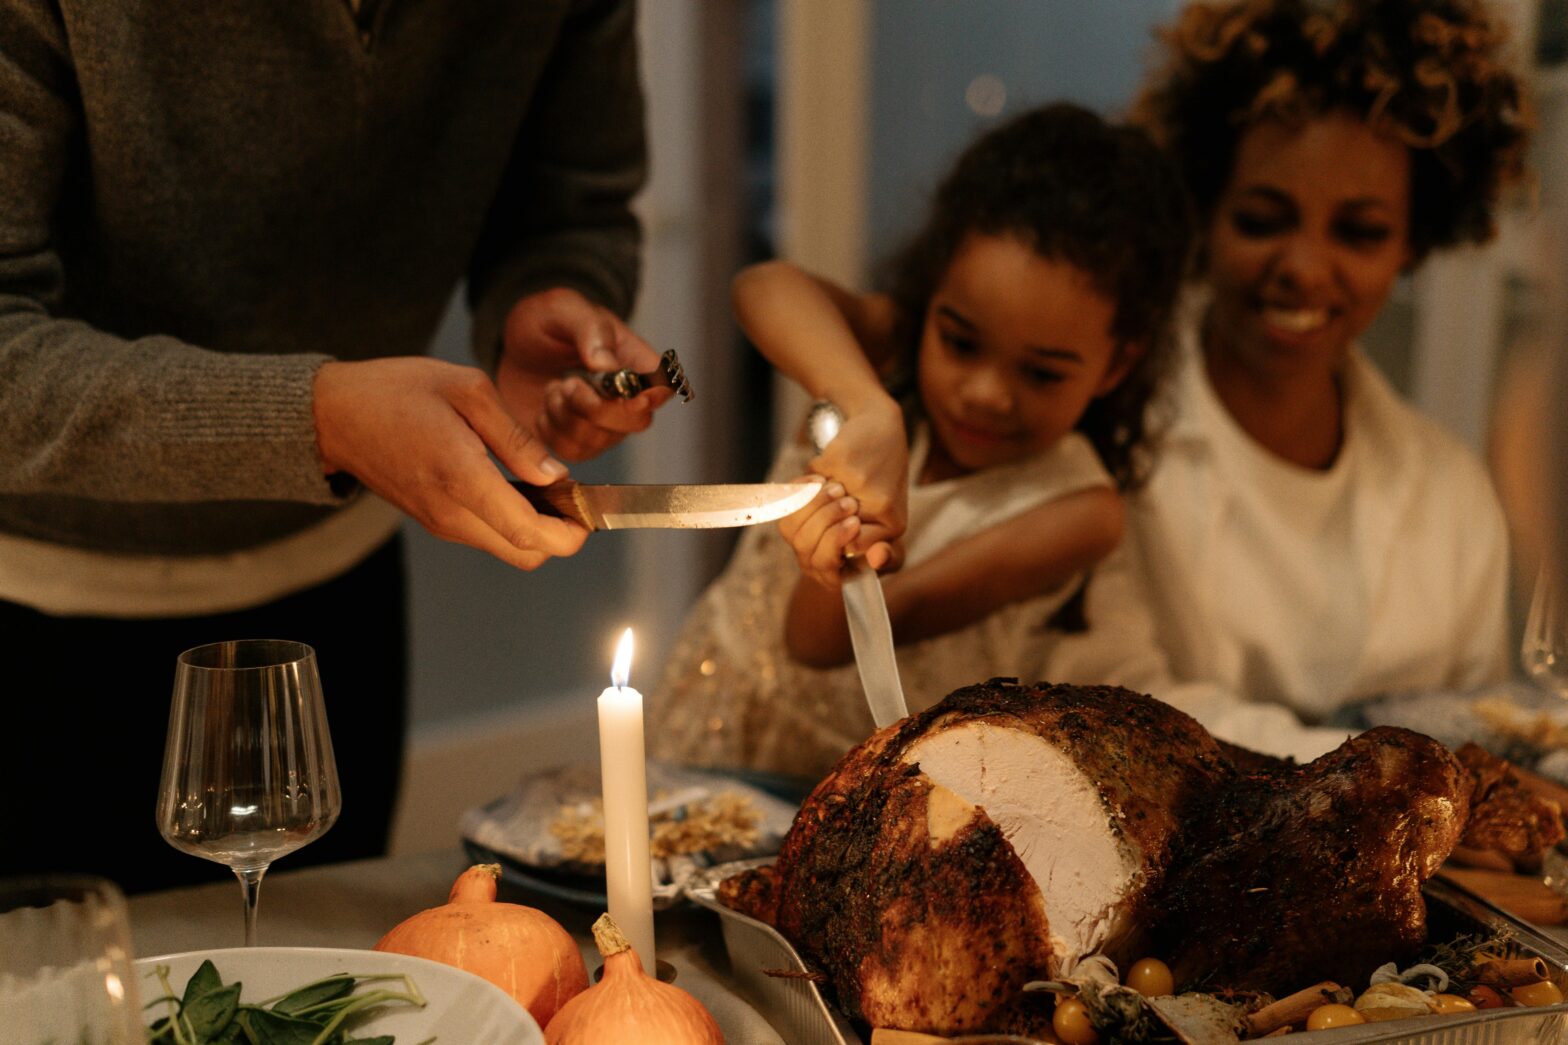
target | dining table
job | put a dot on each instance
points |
(353, 904)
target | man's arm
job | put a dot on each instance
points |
(86, 413)
(562, 216)
(556, 269)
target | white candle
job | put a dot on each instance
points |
(628, 872)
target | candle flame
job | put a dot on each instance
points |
(621, 669)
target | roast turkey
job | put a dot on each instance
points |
(1011, 830)
(1309, 873)
(994, 839)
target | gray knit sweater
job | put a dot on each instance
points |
(200, 202)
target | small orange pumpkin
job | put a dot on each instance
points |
(628, 1005)
(522, 950)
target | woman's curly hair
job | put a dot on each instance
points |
(1427, 72)
(1072, 187)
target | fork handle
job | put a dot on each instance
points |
(621, 384)
(627, 383)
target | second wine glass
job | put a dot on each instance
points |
(1544, 652)
(248, 772)
(67, 973)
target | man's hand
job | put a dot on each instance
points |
(558, 330)
(419, 432)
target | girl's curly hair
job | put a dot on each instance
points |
(1427, 72)
(1074, 188)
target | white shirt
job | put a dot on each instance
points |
(1275, 583)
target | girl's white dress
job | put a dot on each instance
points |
(731, 696)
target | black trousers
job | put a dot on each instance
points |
(84, 706)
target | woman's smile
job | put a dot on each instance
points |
(1296, 320)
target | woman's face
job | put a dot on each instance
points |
(1306, 242)
(1013, 348)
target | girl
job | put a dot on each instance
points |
(993, 405)
(1308, 539)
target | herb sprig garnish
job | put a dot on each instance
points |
(209, 1012)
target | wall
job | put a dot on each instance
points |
(942, 71)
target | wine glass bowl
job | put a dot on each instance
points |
(248, 771)
(67, 973)
(1544, 651)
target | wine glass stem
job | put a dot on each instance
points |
(250, 886)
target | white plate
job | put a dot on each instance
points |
(463, 1009)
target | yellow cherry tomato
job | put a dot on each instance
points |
(1151, 978)
(1543, 993)
(1452, 1003)
(1071, 1023)
(1325, 1016)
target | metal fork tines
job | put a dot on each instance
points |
(626, 383)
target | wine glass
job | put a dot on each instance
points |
(248, 772)
(1545, 648)
(66, 971)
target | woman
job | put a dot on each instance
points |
(1308, 539)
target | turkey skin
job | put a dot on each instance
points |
(1307, 873)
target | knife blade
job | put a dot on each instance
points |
(865, 606)
(677, 507)
(871, 634)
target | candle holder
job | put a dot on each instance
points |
(666, 972)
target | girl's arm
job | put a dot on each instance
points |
(832, 342)
(968, 580)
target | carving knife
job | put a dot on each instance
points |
(678, 507)
(865, 607)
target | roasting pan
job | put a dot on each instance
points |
(798, 1011)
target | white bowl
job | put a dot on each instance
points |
(462, 1008)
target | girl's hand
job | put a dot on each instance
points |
(870, 458)
(821, 532)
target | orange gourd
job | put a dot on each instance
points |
(523, 951)
(628, 1005)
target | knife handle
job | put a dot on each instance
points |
(559, 500)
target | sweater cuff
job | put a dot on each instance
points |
(242, 427)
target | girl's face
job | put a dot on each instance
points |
(1306, 241)
(1013, 348)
